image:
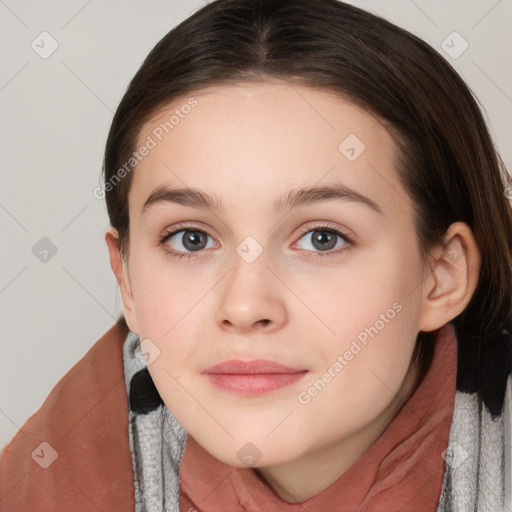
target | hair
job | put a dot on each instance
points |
(447, 161)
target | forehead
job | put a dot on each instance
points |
(259, 136)
(276, 101)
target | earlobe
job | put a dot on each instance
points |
(452, 279)
(119, 268)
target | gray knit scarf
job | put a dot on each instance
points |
(477, 477)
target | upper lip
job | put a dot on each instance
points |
(256, 366)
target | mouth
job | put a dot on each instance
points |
(252, 378)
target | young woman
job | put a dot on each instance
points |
(312, 240)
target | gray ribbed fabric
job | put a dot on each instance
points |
(478, 473)
(157, 443)
(477, 477)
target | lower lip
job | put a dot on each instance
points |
(253, 384)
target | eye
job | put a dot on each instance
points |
(325, 238)
(190, 239)
(321, 237)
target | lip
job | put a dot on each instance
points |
(254, 377)
(256, 366)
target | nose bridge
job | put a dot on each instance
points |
(251, 293)
(249, 272)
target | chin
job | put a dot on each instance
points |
(250, 451)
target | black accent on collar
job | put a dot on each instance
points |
(144, 396)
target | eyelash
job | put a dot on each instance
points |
(307, 229)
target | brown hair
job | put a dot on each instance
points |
(448, 163)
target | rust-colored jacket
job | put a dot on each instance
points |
(84, 476)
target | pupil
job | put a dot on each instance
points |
(192, 240)
(324, 237)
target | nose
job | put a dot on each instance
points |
(252, 298)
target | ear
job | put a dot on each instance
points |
(121, 272)
(452, 278)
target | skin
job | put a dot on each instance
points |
(249, 144)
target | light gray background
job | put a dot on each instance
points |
(55, 115)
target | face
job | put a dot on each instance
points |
(329, 285)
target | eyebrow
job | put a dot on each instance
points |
(196, 198)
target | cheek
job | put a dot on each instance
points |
(165, 295)
(368, 295)
(372, 319)
(366, 379)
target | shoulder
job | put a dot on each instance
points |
(74, 451)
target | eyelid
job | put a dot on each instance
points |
(310, 226)
(187, 226)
